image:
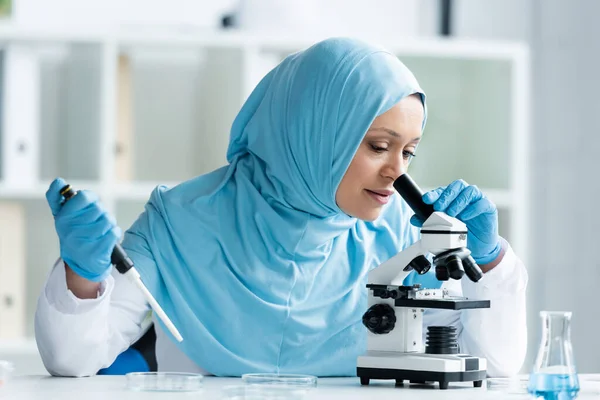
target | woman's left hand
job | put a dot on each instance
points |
(468, 204)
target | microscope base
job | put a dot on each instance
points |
(442, 368)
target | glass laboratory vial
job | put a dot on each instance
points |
(554, 376)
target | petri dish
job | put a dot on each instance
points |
(512, 385)
(163, 381)
(285, 380)
(263, 392)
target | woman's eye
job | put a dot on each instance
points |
(408, 155)
(378, 149)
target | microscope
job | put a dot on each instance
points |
(394, 318)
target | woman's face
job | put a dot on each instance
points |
(381, 158)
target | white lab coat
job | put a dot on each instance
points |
(78, 337)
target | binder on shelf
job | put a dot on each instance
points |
(12, 270)
(19, 146)
(124, 139)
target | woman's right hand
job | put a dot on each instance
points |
(86, 232)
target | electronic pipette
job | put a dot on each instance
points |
(124, 265)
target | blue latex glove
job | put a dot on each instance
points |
(87, 234)
(468, 204)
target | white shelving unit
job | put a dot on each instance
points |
(184, 90)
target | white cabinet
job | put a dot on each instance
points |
(12, 270)
(477, 128)
(169, 119)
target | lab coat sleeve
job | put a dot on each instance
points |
(499, 333)
(78, 337)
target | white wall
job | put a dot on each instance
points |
(331, 17)
(492, 19)
(89, 13)
(564, 268)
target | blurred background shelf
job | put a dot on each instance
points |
(283, 42)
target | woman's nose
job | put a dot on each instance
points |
(395, 169)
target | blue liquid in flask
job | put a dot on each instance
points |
(553, 386)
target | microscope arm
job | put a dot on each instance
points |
(393, 271)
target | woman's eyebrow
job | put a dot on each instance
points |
(392, 132)
(387, 130)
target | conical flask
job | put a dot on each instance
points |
(554, 376)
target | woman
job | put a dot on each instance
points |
(262, 264)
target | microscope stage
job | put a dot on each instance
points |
(443, 303)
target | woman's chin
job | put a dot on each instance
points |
(369, 215)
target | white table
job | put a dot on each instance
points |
(113, 388)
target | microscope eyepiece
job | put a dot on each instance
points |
(413, 195)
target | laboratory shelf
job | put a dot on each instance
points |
(121, 112)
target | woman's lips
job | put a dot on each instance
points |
(378, 197)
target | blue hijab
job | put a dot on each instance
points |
(254, 262)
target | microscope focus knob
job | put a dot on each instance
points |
(380, 318)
